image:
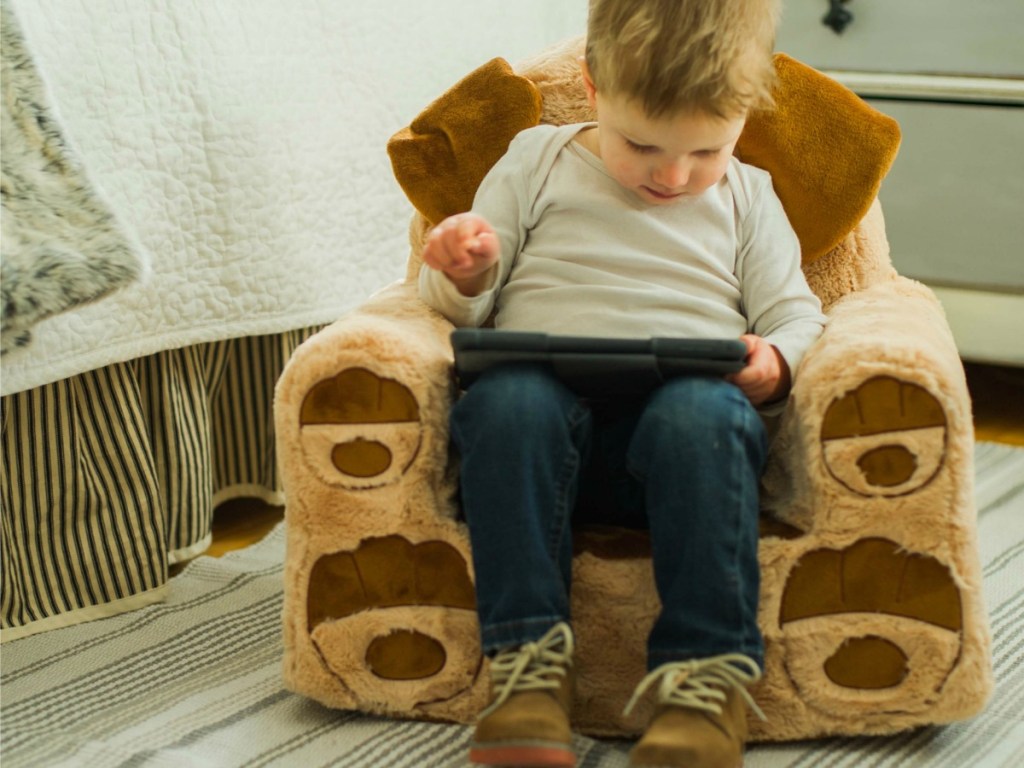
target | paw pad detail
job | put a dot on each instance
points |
(361, 458)
(885, 438)
(405, 655)
(870, 623)
(887, 465)
(385, 572)
(873, 575)
(358, 396)
(869, 663)
(396, 614)
(360, 430)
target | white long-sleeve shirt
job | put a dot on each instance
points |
(581, 255)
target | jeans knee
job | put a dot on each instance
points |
(699, 412)
(515, 397)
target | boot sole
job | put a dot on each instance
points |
(522, 755)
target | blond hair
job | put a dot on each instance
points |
(673, 56)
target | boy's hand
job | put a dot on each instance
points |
(465, 248)
(766, 376)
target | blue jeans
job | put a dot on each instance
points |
(685, 463)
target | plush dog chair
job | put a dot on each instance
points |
(871, 591)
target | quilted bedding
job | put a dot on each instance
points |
(242, 144)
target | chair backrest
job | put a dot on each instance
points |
(826, 149)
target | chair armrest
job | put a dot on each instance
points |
(378, 573)
(879, 409)
(363, 404)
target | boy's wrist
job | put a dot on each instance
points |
(473, 285)
(785, 381)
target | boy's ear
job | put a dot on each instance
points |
(444, 154)
(827, 152)
(588, 83)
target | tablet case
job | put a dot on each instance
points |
(592, 366)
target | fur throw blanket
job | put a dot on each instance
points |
(61, 245)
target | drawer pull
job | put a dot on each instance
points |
(837, 18)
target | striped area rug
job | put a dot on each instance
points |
(196, 681)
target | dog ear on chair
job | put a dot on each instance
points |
(444, 154)
(827, 152)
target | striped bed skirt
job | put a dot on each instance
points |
(110, 476)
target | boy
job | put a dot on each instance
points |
(641, 224)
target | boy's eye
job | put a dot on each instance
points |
(708, 152)
(640, 149)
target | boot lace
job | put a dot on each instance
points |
(538, 666)
(701, 683)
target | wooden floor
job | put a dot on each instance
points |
(997, 394)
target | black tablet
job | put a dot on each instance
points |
(596, 367)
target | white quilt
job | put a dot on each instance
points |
(243, 144)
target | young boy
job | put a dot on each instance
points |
(641, 224)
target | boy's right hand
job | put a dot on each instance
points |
(465, 248)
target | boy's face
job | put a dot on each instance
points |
(662, 160)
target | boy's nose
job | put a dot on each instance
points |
(672, 175)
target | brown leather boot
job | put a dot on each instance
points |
(701, 717)
(527, 722)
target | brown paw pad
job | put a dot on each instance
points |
(868, 663)
(360, 430)
(885, 438)
(870, 623)
(405, 655)
(396, 614)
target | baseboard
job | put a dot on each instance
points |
(988, 327)
(993, 91)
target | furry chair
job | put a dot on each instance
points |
(871, 591)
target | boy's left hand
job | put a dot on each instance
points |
(766, 376)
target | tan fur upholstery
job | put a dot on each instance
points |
(871, 591)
